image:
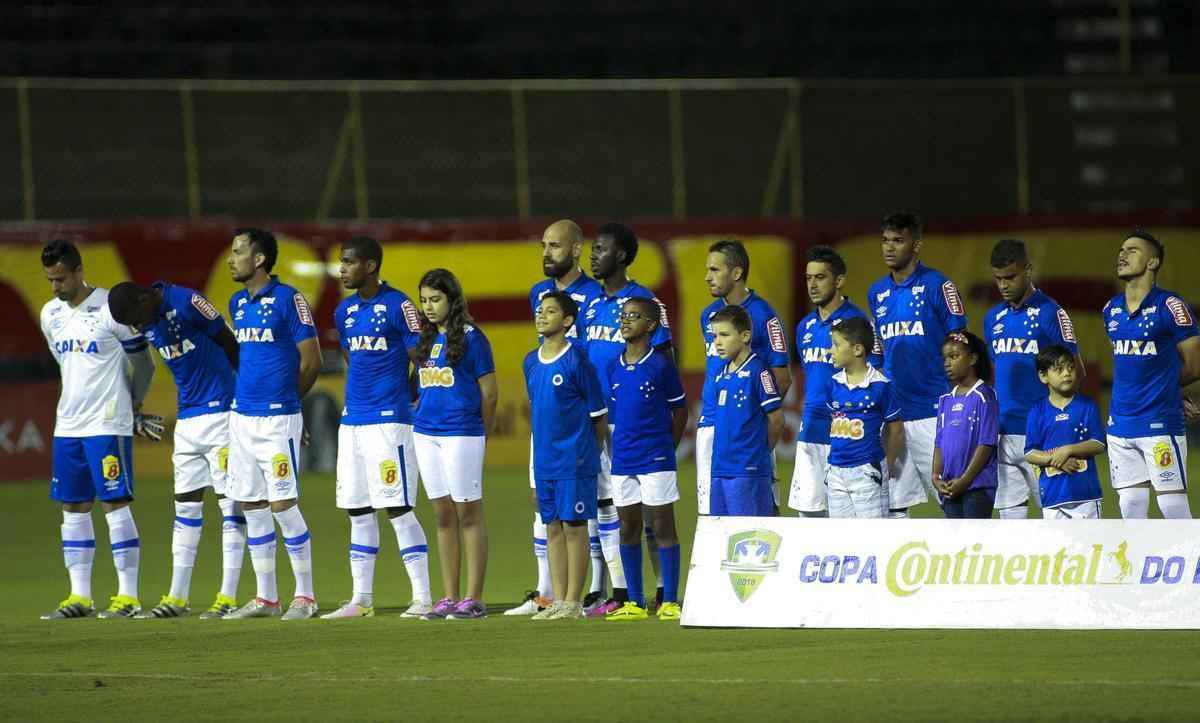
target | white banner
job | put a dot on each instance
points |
(794, 573)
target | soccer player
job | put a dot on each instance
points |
(1062, 436)
(567, 414)
(1156, 349)
(455, 414)
(825, 275)
(1015, 330)
(747, 424)
(377, 458)
(727, 269)
(562, 249)
(968, 430)
(94, 423)
(278, 362)
(202, 354)
(863, 411)
(913, 308)
(649, 413)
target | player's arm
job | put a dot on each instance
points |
(938, 466)
(667, 349)
(141, 373)
(893, 445)
(679, 420)
(228, 343)
(310, 364)
(600, 427)
(774, 427)
(783, 377)
(488, 396)
(1189, 352)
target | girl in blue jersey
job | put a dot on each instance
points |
(455, 412)
(968, 430)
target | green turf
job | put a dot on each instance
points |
(505, 668)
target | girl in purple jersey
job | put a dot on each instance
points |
(968, 430)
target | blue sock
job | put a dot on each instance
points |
(631, 560)
(669, 556)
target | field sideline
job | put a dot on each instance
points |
(508, 668)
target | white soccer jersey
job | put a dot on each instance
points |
(90, 349)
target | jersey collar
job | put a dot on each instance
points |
(266, 289)
(383, 286)
(730, 372)
(873, 375)
(639, 361)
(558, 356)
(918, 271)
(1150, 300)
(164, 307)
(620, 292)
(1035, 299)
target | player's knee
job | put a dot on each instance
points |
(282, 505)
(444, 512)
(394, 512)
(574, 524)
(193, 496)
(255, 505)
(360, 511)
(631, 530)
(77, 507)
(470, 514)
(110, 505)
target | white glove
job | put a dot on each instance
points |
(149, 426)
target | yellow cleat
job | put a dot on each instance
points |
(629, 611)
(670, 611)
(121, 606)
(168, 607)
(75, 606)
(220, 608)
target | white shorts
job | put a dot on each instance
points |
(263, 456)
(451, 466)
(856, 493)
(201, 454)
(1160, 460)
(808, 477)
(376, 466)
(915, 485)
(1089, 510)
(652, 488)
(704, 450)
(1017, 481)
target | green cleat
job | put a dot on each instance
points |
(121, 606)
(168, 607)
(629, 611)
(75, 606)
(670, 612)
(221, 607)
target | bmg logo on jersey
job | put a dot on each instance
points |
(436, 377)
(750, 556)
(843, 427)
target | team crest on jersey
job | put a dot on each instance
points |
(750, 556)
(280, 466)
(1162, 455)
(204, 306)
(557, 380)
(775, 332)
(1180, 311)
(223, 459)
(389, 472)
(302, 309)
(953, 300)
(768, 381)
(1065, 326)
(110, 467)
(411, 318)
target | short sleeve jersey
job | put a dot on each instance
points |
(964, 423)
(564, 398)
(745, 395)
(767, 340)
(814, 346)
(268, 327)
(582, 290)
(644, 394)
(450, 401)
(858, 413)
(602, 328)
(1048, 429)
(377, 334)
(184, 333)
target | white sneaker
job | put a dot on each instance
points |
(568, 611)
(533, 604)
(302, 608)
(417, 609)
(256, 608)
(350, 610)
(550, 611)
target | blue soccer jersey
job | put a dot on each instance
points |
(1014, 336)
(1146, 397)
(814, 346)
(858, 414)
(1049, 428)
(183, 332)
(564, 398)
(582, 291)
(602, 328)
(767, 340)
(644, 393)
(912, 319)
(450, 404)
(377, 334)
(745, 396)
(268, 327)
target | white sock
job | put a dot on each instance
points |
(545, 587)
(364, 546)
(1174, 507)
(126, 549)
(299, 549)
(1020, 512)
(233, 545)
(260, 538)
(597, 554)
(185, 541)
(414, 550)
(610, 543)
(79, 551)
(1135, 502)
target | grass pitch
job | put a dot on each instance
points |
(511, 668)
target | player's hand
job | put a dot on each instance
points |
(941, 486)
(1191, 410)
(149, 426)
(1059, 457)
(1074, 465)
(956, 487)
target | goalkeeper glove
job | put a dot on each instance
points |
(149, 426)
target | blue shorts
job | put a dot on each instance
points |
(741, 497)
(85, 468)
(566, 500)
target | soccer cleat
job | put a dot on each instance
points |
(552, 610)
(531, 605)
(603, 609)
(350, 610)
(468, 609)
(592, 600)
(256, 608)
(569, 611)
(120, 606)
(302, 608)
(670, 611)
(417, 610)
(167, 607)
(440, 610)
(221, 607)
(75, 606)
(629, 611)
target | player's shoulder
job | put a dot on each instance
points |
(930, 275)
(344, 306)
(994, 314)
(51, 308)
(807, 322)
(850, 309)
(985, 392)
(587, 285)
(876, 376)
(713, 307)
(878, 288)
(758, 306)
(1174, 307)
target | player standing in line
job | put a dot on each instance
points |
(649, 413)
(825, 275)
(968, 431)
(913, 308)
(377, 459)
(202, 354)
(455, 414)
(562, 249)
(567, 413)
(1156, 350)
(727, 269)
(1015, 330)
(278, 362)
(96, 415)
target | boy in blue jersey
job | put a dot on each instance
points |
(649, 413)
(825, 276)
(727, 269)
(747, 425)
(1063, 435)
(567, 413)
(377, 458)
(863, 413)
(202, 354)
(1156, 350)
(278, 362)
(913, 309)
